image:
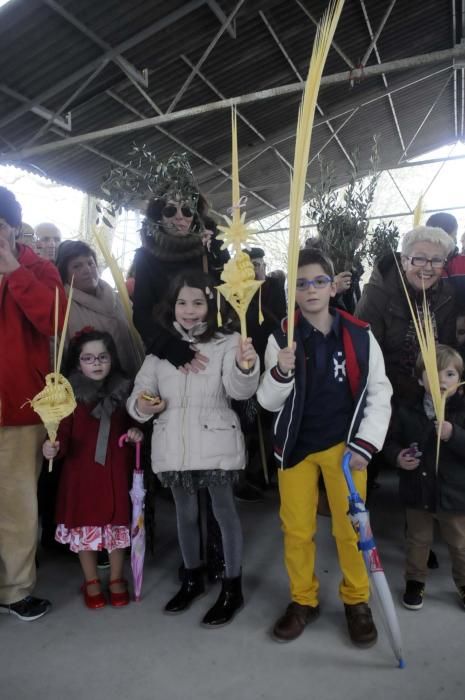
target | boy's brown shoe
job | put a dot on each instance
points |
(293, 622)
(362, 629)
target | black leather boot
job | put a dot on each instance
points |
(192, 587)
(229, 602)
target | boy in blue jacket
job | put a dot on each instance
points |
(331, 394)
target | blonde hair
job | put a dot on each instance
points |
(427, 234)
(445, 356)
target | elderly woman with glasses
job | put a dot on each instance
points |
(384, 305)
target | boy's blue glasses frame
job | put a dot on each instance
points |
(319, 282)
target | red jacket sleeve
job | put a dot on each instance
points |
(33, 289)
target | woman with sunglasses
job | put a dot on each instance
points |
(383, 304)
(176, 235)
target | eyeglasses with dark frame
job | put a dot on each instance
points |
(169, 210)
(319, 282)
(89, 359)
(436, 263)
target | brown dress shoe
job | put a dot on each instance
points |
(362, 629)
(293, 622)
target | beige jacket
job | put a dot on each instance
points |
(198, 429)
(104, 312)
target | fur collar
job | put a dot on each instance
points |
(166, 247)
(115, 387)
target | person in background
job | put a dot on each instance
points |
(455, 267)
(48, 239)
(27, 236)
(384, 305)
(428, 492)
(28, 285)
(446, 221)
(94, 303)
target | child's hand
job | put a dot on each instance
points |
(446, 430)
(149, 407)
(135, 435)
(286, 359)
(50, 449)
(246, 355)
(357, 462)
(406, 460)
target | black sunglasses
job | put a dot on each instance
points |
(170, 210)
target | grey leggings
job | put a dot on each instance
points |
(224, 509)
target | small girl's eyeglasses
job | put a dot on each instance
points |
(88, 359)
(170, 210)
(319, 282)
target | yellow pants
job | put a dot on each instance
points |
(20, 463)
(298, 489)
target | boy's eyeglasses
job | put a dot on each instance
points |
(421, 261)
(170, 210)
(319, 282)
(88, 359)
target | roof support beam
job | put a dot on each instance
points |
(383, 76)
(401, 64)
(425, 118)
(240, 116)
(378, 33)
(216, 9)
(39, 110)
(300, 77)
(198, 155)
(158, 26)
(205, 55)
(66, 103)
(127, 67)
(335, 46)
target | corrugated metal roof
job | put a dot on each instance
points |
(45, 59)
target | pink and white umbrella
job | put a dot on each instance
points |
(137, 494)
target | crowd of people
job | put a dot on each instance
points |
(350, 382)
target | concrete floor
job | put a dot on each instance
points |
(138, 653)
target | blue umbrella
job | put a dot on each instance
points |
(360, 518)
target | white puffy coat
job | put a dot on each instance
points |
(198, 429)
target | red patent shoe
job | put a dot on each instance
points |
(93, 601)
(118, 600)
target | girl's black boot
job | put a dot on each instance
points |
(192, 587)
(229, 602)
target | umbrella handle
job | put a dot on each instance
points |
(348, 474)
(124, 438)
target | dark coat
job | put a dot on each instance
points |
(274, 309)
(90, 493)
(421, 488)
(384, 306)
(153, 274)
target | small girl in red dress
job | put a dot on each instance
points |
(93, 511)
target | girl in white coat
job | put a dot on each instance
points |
(197, 441)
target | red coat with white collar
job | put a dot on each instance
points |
(27, 303)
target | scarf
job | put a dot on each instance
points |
(170, 248)
(108, 395)
(411, 348)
